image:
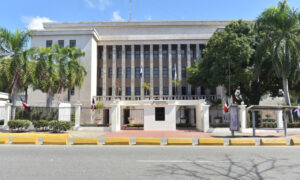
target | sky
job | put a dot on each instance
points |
(32, 13)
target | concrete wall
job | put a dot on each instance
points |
(168, 124)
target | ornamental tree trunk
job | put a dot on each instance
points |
(14, 93)
(285, 83)
(50, 96)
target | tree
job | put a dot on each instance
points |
(147, 87)
(14, 61)
(233, 50)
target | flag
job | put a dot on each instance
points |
(25, 105)
(226, 106)
(93, 106)
(175, 73)
(141, 72)
(297, 112)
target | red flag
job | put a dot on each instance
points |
(25, 105)
(226, 108)
(93, 106)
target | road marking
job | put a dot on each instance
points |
(181, 161)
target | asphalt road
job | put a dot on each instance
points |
(145, 162)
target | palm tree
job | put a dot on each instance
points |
(281, 26)
(13, 45)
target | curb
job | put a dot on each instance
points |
(117, 141)
(180, 142)
(4, 140)
(148, 141)
(272, 142)
(86, 141)
(210, 142)
(17, 140)
(55, 141)
(241, 142)
(295, 142)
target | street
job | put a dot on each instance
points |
(145, 162)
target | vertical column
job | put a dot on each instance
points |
(132, 71)
(115, 117)
(198, 90)
(7, 115)
(114, 70)
(189, 65)
(170, 69)
(151, 71)
(179, 68)
(77, 115)
(142, 67)
(123, 72)
(160, 72)
(279, 119)
(104, 71)
(202, 117)
(242, 117)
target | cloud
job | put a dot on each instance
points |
(35, 23)
(116, 16)
(104, 4)
(90, 3)
(148, 17)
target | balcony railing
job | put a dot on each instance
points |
(164, 97)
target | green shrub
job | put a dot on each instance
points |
(40, 124)
(222, 125)
(135, 125)
(18, 124)
(60, 125)
(294, 125)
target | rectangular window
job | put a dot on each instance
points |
(61, 43)
(165, 72)
(110, 72)
(192, 54)
(146, 92)
(99, 73)
(137, 91)
(155, 54)
(202, 91)
(110, 54)
(156, 91)
(159, 114)
(193, 91)
(110, 91)
(72, 43)
(166, 91)
(174, 54)
(165, 54)
(119, 54)
(128, 91)
(147, 72)
(137, 54)
(72, 92)
(146, 54)
(119, 72)
(183, 90)
(99, 92)
(48, 43)
(155, 71)
(128, 54)
(128, 72)
(183, 72)
(137, 72)
(182, 53)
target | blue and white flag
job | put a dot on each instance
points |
(175, 74)
(141, 72)
(297, 112)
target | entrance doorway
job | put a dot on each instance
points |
(185, 117)
(106, 116)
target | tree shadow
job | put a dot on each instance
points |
(259, 168)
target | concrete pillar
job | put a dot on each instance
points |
(243, 117)
(114, 71)
(115, 117)
(151, 71)
(132, 72)
(179, 68)
(192, 115)
(279, 119)
(142, 66)
(202, 117)
(123, 72)
(160, 72)
(77, 116)
(7, 115)
(188, 56)
(170, 69)
(104, 71)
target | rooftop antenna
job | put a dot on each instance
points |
(129, 10)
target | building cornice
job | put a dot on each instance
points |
(72, 32)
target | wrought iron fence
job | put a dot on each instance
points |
(95, 117)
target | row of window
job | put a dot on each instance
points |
(147, 54)
(146, 73)
(61, 43)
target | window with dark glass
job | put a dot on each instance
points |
(137, 54)
(99, 73)
(202, 90)
(192, 53)
(193, 91)
(119, 73)
(128, 72)
(183, 90)
(61, 43)
(159, 114)
(110, 91)
(128, 91)
(72, 92)
(182, 53)
(146, 54)
(128, 54)
(110, 54)
(99, 91)
(173, 90)
(166, 91)
(137, 72)
(155, 54)
(156, 91)
(183, 72)
(165, 54)
(110, 72)
(147, 72)
(165, 72)
(137, 91)
(174, 54)
(155, 71)
(146, 92)
(72, 43)
(48, 43)
(119, 54)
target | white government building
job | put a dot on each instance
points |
(121, 56)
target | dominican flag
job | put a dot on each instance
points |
(226, 106)
(25, 105)
(93, 106)
(297, 112)
(141, 72)
(175, 74)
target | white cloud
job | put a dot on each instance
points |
(116, 16)
(90, 3)
(148, 17)
(104, 4)
(35, 23)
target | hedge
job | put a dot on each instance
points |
(18, 124)
(60, 125)
(221, 125)
(293, 125)
(40, 124)
(135, 125)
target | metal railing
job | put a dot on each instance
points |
(157, 97)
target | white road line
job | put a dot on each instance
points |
(180, 161)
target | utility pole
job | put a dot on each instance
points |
(130, 10)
